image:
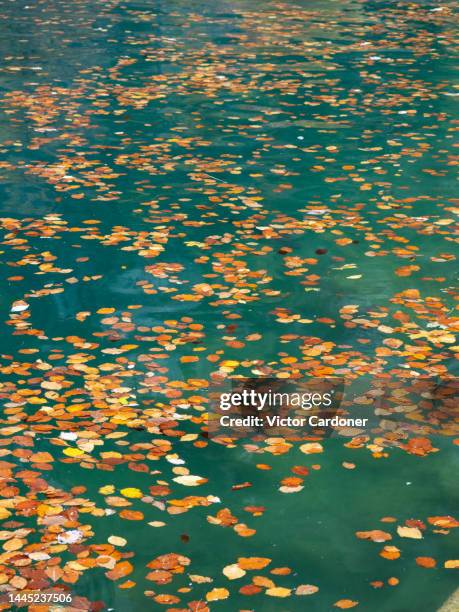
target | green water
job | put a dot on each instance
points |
(196, 126)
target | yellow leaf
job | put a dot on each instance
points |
(13, 544)
(73, 452)
(131, 492)
(278, 592)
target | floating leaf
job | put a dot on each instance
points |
(253, 563)
(409, 532)
(278, 592)
(306, 589)
(376, 535)
(117, 540)
(344, 604)
(232, 572)
(217, 594)
(73, 452)
(190, 481)
(311, 447)
(390, 552)
(426, 562)
(131, 492)
(121, 569)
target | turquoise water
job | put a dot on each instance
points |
(197, 190)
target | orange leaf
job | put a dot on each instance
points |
(131, 515)
(376, 535)
(253, 563)
(447, 522)
(390, 552)
(120, 570)
(216, 594)
(344, 604)
(426, 561)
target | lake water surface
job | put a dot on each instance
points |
(197, 190)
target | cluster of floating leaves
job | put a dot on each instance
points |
(236, 206)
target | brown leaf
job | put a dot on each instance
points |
(250, 589)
